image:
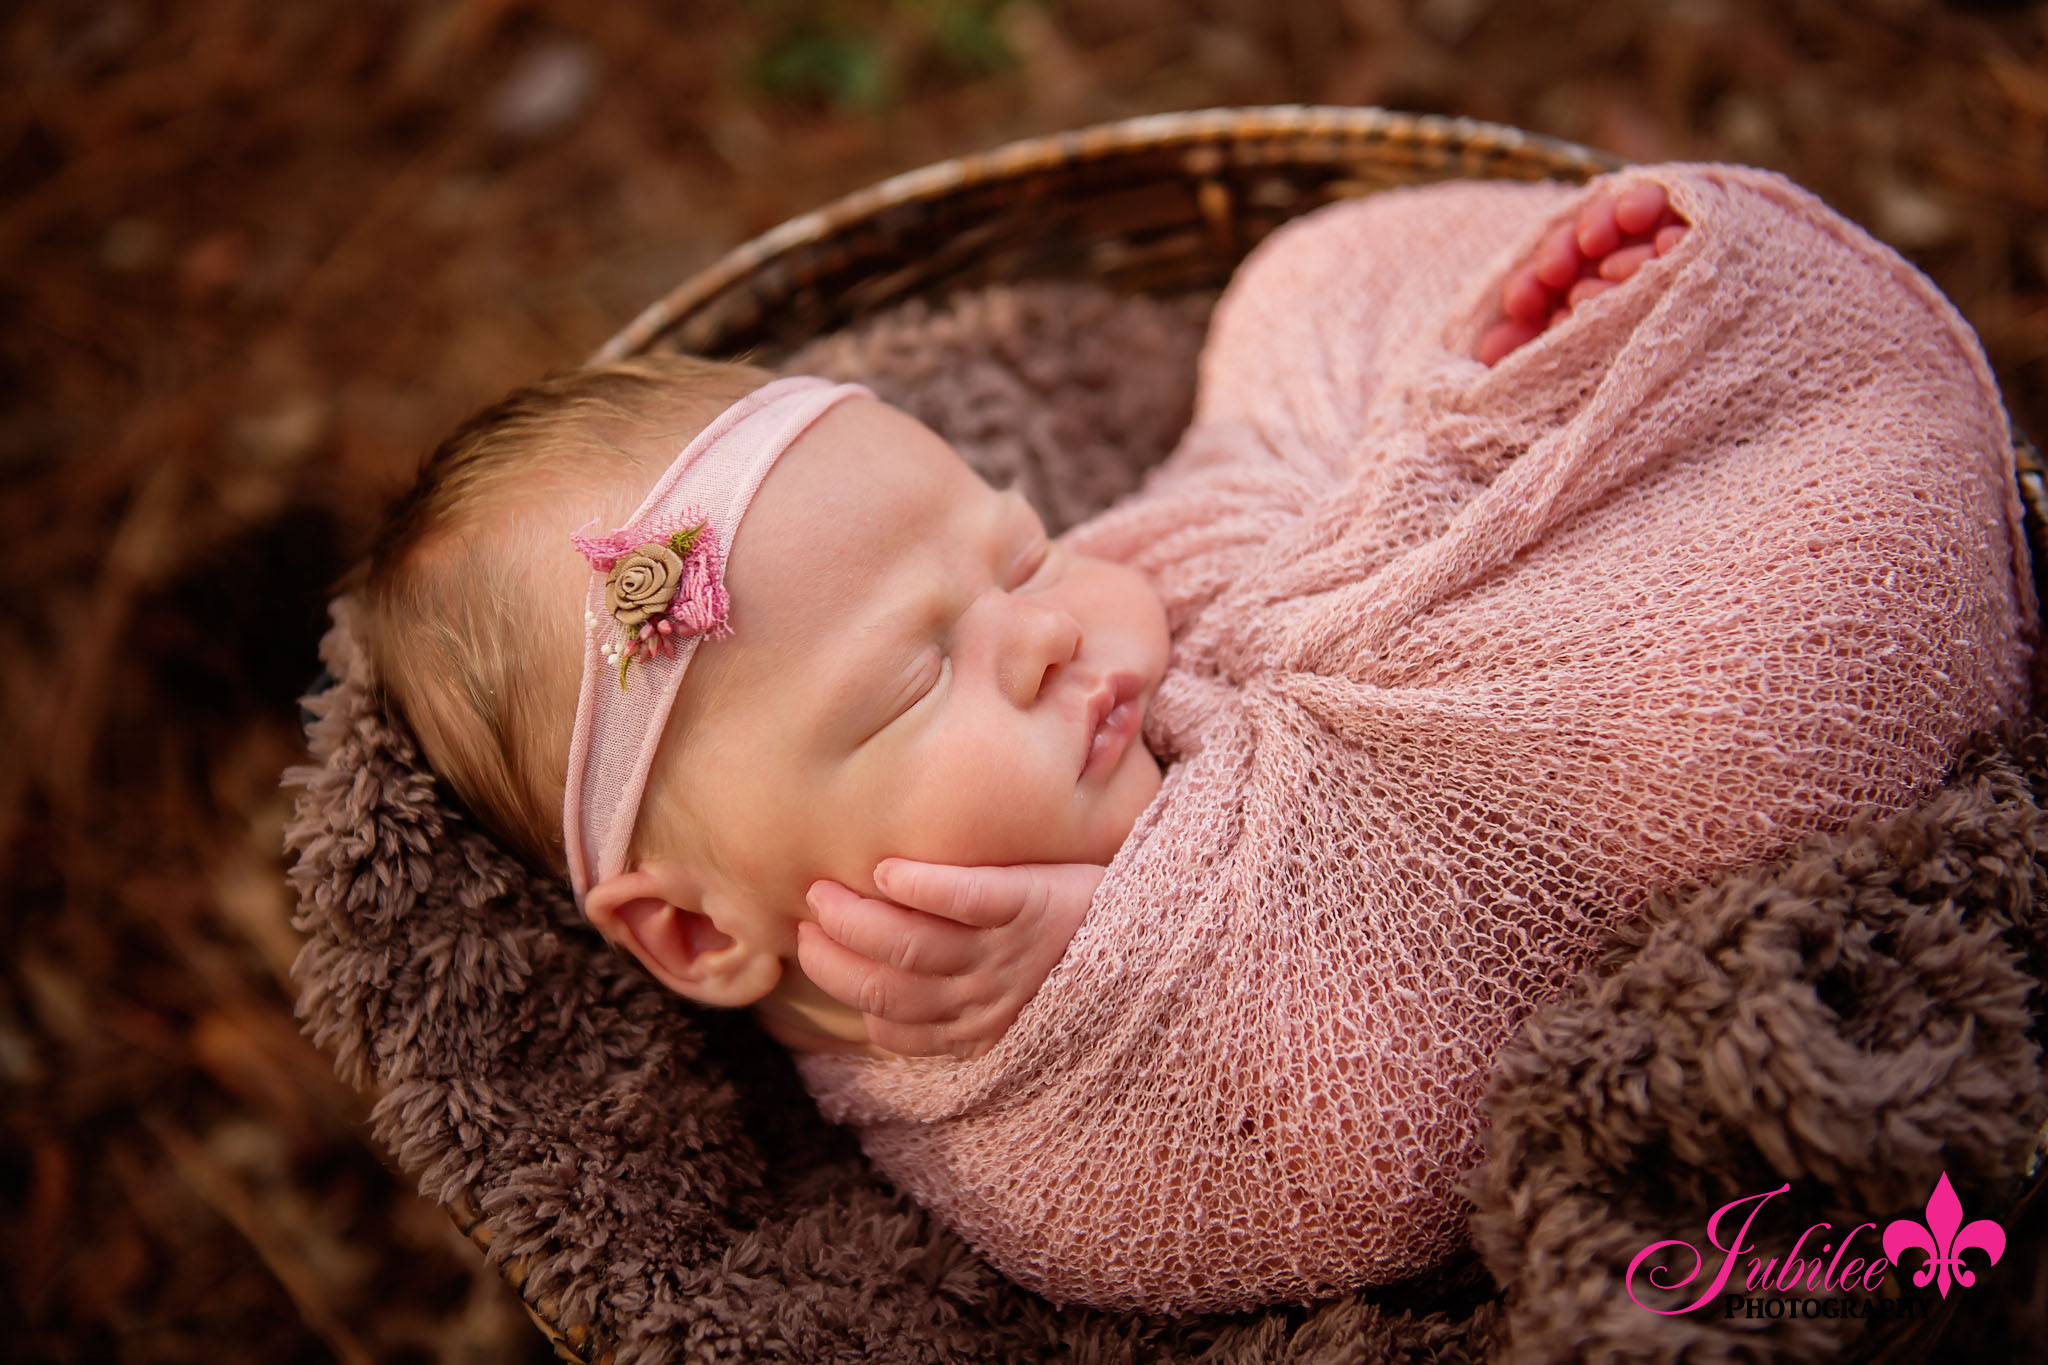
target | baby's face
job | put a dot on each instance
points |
(914, 670)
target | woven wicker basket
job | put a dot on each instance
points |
(1159, 205)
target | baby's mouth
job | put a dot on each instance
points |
(1115, 712)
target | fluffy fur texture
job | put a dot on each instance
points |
(662, 1190)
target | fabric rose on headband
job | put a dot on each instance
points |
(663, 584)
(642, 584)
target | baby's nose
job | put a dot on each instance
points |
(1045, 639)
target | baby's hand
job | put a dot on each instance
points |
(945, 965)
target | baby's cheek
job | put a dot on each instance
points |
(1139, 614)
(934, 819)
(985, 817)
(998, 824)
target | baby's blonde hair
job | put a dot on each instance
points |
(485, 674)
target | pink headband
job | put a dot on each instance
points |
(657, 588)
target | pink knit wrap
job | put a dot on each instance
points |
(1465, 662)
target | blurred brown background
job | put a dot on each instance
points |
(258, 256)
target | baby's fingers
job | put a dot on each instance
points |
(890, 934)
(986, 897)
(982, 897)
(876, 990)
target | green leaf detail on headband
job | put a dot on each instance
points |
(682, 542)
(624, 659)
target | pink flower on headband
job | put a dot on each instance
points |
(663, 584)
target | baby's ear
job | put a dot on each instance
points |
(647, 911)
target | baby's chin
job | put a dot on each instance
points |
(1131, 790)
(1149, 777)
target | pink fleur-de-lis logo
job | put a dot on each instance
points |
(1941, 1241)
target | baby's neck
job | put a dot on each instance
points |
(803, 1018)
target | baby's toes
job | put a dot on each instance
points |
(1639, 208)
(1626, 261)
(1525, 299)
(1589, 288)
(1669, 236)
(1504, 337)
(1558, 260)
(1598, 232)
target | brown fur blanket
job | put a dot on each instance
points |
(1851, 1021)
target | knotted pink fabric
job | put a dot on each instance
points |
(621, 712)
(1465, 662)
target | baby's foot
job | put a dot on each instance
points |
(1606, 244)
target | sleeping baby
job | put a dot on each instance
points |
(1153, 900)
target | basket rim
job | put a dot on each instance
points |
(1190, 129)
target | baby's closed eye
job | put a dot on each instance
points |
(1034, 565)
(937, 676)
(932, 671)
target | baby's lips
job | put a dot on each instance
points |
(1121, 697)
